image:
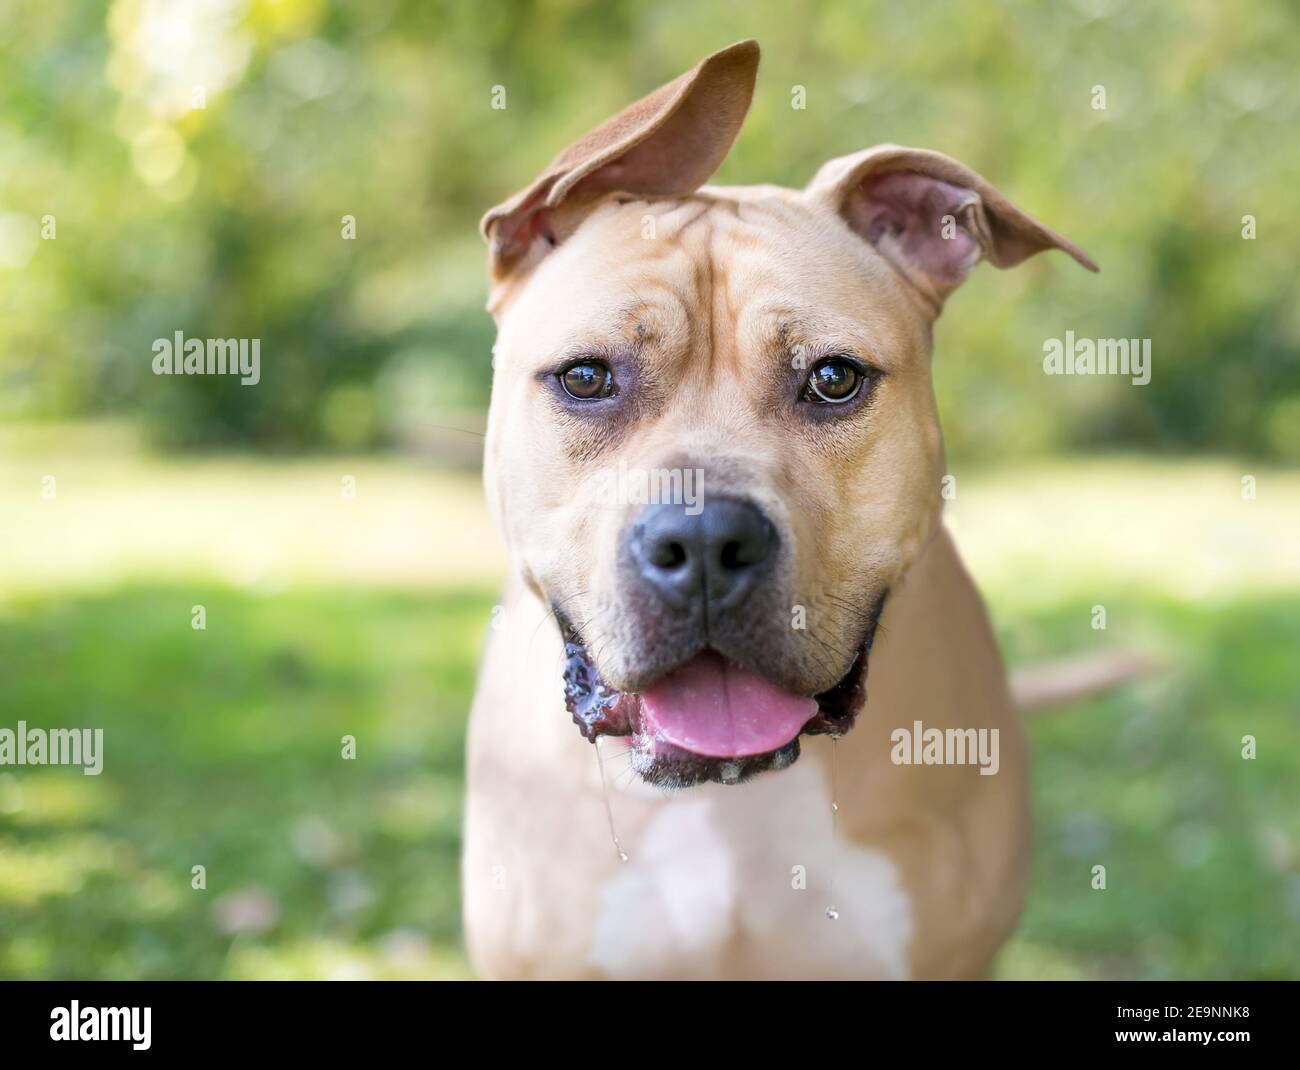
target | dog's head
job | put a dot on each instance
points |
(713, 444)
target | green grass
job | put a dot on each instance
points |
(1199, 844)
(329, 616)
(222, 748)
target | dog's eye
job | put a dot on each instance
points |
(833, 381)
(588, 380)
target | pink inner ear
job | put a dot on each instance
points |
(517, 231)
(909, 208)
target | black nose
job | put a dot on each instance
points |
(717, 554)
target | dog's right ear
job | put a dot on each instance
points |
(931, 217)
(667, 144)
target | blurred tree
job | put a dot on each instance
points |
(194, 166)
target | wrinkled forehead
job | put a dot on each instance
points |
(707, 271)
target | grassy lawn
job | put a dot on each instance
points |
(223, 749)
(364, 618)
(1201, 847)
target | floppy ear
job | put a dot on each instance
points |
(931, 217)
(666, 144)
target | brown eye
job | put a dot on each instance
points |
(588, 381)
(833, 381)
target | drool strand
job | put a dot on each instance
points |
(832, 913)
(609, 810)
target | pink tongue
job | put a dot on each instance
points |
(719, 710)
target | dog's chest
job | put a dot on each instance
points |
(741, 881)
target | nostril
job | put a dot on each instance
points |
(733, 556)
(668, 555)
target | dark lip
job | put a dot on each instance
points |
(599, 710)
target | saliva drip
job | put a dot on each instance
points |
(609, 810)
(831, 913)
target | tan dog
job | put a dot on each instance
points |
(775, 343)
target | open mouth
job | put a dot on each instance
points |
(710, 719)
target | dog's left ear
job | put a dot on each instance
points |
(931, 217)
(665, 145)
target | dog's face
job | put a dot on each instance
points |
(713, 444)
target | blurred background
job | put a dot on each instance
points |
(187, 165)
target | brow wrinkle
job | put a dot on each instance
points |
(710, 273)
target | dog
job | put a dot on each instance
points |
(715, 651)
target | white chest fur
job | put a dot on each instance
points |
(737, 880)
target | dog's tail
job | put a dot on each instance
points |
(1034, 687)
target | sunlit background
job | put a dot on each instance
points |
(192, 165)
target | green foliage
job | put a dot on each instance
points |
(225, 220)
